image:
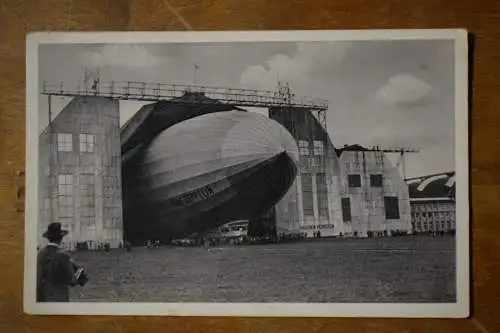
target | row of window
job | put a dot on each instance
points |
(308, 198)
(321, 180)
(65, 197)
(65, 184)
(354, 180)
(66, 214)
(433, 206)
(442, 226)
(429, 220)
(433, 214)
(308, 206)
(310, 162)
(86, 184)
(305, 148)
(67, 210)
(391, 206)
(65, 142)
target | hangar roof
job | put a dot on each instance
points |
(441, 185)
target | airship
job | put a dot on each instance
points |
(205, 171)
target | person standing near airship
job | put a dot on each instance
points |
(56, 272)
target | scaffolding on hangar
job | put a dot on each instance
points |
(152, 92)
(282, 98)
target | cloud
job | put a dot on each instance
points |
(121, 55)
(310, 59)
(404, 89)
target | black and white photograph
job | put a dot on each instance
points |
(290, 173)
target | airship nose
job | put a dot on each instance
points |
(209, 170)
(291, 154)
(257, 134)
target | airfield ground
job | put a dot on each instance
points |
(391, 269)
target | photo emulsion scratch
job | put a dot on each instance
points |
(238, 173)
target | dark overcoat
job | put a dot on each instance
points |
(55, 275)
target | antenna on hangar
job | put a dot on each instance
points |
(91, 80)
(195, 70)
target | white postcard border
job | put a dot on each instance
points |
(460, 309)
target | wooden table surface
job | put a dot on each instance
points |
(481, 17)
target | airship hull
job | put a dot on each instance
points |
(205, 172)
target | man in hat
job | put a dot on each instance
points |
(55, 272)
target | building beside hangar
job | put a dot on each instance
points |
(432, 199)
(80, 174)
(312, 204)
(374, 196)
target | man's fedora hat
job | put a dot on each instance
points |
(55, 230)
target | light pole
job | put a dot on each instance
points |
(195, 69)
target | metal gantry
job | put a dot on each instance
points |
(143, 91)
(401, 151)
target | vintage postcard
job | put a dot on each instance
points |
(273, 173)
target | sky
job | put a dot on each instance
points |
(387, 93)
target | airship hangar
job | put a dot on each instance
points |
(194, 158)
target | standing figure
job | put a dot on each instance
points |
(56, 273)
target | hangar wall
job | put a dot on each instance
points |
(80, 174)
(322, 198)
(375, 196)
(313, 203)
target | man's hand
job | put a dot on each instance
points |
(78, 272)
(81, 276)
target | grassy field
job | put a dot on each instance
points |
(396, 269)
